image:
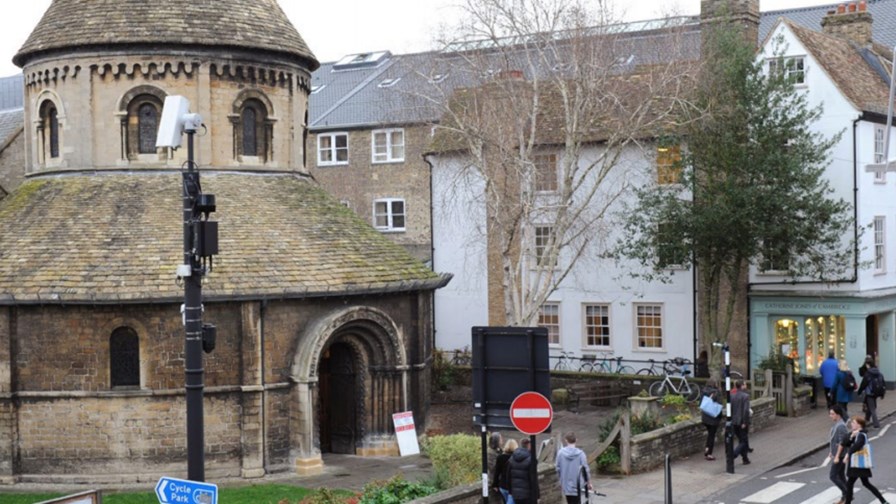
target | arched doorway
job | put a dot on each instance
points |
(338, 412)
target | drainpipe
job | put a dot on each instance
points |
(264, 393)
(432, 254)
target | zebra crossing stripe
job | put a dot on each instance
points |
(830, 495)
(889, 496)
(774, 492)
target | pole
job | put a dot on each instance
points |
(193, 371)
(729, 429)
(483, 415)
(668, 475)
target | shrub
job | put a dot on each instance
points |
(395, 490)
(327, 496)
(646, 422)
(456, 458)
(609, 458)
(444, 373)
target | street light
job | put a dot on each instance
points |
(200, 244)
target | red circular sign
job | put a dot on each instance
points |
(531, 413)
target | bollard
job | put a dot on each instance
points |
(668, 479)
(729, 448)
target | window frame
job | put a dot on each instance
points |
(134, 377)
(789, 66)
(639, 335)
(587, 327)
(333, 149)
(880, 177)
(668, 164)
(879, 226)
(554, 326)
(770, 260)
(390, 227)
(539, 245)
(390, 145)
(546, 173)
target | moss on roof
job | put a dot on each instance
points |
(118, 238)
(248, 24)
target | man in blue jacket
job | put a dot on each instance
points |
(828, 370)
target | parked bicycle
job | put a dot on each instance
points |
(565, 361)
(462, 357)
(671, 384)
(657, 368)
(591, 364)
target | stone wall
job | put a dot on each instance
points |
(688, 437)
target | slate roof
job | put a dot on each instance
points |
(117, 237)
(12, 93)
(353, 98)
(246, 24)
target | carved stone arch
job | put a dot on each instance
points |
(137, 132)
(252, 94)
(49, 123)
(386, 342)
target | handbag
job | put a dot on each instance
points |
(861, 458)
(710, 407)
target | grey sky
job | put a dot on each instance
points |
(335, 28)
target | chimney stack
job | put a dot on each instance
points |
(850, 21)
(742, 13)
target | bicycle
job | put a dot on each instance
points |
(679, 385)
(462, 357)
(652, 370)
(605, 365)
(564, 361)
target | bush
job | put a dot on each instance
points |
(609, 458)
(456, 459)
(395, 490)
(444, 373)
(327, 496)
(645, 423)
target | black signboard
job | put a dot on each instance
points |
(507, 361)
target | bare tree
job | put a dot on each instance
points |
(546, 103)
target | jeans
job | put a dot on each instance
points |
(507, 497)
(871, 411)
(838, 475)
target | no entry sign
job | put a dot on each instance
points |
(531, 413)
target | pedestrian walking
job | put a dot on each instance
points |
(573, 471)
(872, 387)
(523, 477)
(828, 371)
(711, 415)
(740, 421)
(857, 451)
(495, 448)
(501, 481)
(844, 386)
(839, 433)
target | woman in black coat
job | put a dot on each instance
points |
(523, 475)
(501, 479)
(711, 423)
(856, 441)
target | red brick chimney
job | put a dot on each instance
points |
(851, 21)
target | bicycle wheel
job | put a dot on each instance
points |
(626, 369)
(586, 367)
(658, 389)
(691, 392)
(648, 371)
(560, 366)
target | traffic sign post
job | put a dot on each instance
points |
(178, 491)
(531, 413)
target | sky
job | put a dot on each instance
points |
(336, 28)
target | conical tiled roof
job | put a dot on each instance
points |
(117, 237)
(248, 24)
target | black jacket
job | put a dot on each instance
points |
(500, 476)
(523, 476)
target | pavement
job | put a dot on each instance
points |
(694, 479)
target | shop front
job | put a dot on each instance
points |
(806, 329)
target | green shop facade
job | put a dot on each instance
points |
(806, 328)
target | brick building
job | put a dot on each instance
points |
(324, 326)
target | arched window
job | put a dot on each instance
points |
(49, 130)
(140, 123)
(253, 128)
(124, 358)
(147, 128)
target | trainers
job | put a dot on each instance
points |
(710, 457)
(746, 461)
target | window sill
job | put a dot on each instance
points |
(387, 230)
(650, 349)
(323, 165)
(389, 161)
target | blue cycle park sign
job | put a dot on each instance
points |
(178, 491)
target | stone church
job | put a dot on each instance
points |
(324, 326)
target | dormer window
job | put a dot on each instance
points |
(389, 82)
(317, 88)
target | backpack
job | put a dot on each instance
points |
(849, 381)
(876, 386)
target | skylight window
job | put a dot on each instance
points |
(389, 82)
(437, 78)
(317, 88)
